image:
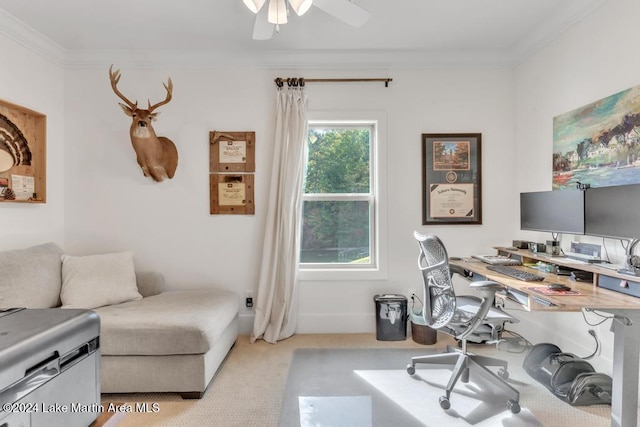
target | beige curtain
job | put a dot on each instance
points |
(276, 305)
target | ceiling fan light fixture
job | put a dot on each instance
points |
(277, 12)
(254, 5)
(300, 7)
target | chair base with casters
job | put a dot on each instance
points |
(462, 361)
(467, 318)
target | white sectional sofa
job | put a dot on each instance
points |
(151, 339)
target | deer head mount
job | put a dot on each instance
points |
(156, 155)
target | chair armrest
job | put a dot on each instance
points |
(486, 284)
(487, 289)
(149, 283)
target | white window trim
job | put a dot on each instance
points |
(379, 185)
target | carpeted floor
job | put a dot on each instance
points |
(250, 388)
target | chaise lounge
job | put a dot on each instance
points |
(151, 339)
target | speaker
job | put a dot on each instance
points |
(520, 244)
(553, 247)
(537, 247)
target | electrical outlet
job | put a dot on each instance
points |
(248, 299)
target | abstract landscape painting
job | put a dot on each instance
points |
(598, 144)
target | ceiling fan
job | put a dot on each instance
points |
(275, 12)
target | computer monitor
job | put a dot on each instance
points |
(560, 211)
(613, 211)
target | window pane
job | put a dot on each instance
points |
(338, 160)
(335, 232)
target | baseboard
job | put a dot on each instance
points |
(321, 323)
(246, 323)
(336, 323)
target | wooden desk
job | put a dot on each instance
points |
(595, 296)
(624, 308)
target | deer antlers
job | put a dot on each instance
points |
(114, 76)
(156, 155)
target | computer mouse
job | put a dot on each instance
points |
(558, 287)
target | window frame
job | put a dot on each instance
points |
(377, 269)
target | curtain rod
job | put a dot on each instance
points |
(299, 81)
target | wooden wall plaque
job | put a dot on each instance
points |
(232, 151)
(22, 154)
(231, 194)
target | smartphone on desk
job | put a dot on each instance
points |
(581, 276)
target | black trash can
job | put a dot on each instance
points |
(391, 317)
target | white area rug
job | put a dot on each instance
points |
(352, 411)
(331, 388)
(419, 396)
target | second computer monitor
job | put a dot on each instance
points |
(613, 211)
(559, 211)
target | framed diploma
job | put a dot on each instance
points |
(232, 151)
(451, 178)
(231, 194)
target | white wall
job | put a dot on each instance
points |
(420, 101)
(591, 61)
(110, 206)
(29, 80)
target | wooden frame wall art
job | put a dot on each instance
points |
(231, 194)
(22, 154)
(451, 178)
(231, 188)
(232, 151)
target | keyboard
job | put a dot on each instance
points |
(497, 259)
(515, 273)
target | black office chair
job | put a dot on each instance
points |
(461, 317)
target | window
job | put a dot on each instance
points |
(340, 207)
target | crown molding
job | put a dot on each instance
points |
(551, 29)
(286, 59)
(21, 33)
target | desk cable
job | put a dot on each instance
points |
(593, 334)
(624, 319)
(516, 343)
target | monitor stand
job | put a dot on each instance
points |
(631, 261)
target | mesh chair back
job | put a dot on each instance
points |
(440, 299)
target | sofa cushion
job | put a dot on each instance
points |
(175, 322)
(30, 277)
(97, 280)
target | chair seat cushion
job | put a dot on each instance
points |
(467, 307)
(177, 322)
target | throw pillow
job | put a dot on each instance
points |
(30, 277)
(97, 280)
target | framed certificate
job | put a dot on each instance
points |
(451, 179)
(231, 194)
(232, 151)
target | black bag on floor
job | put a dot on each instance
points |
(567, 376)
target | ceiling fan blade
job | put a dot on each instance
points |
(263, 29)
(344, 10)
